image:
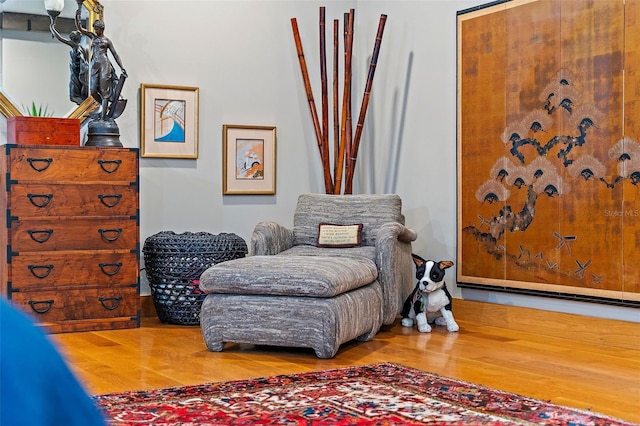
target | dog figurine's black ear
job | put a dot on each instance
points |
(418, 260)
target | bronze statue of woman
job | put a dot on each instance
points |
(103, 79)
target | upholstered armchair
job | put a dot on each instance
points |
(385, 239)
(298, 289)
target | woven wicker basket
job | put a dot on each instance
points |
(174, 263)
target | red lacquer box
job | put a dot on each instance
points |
(43, 131)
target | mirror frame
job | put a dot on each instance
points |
(8, 109)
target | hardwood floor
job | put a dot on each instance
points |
(570, 360)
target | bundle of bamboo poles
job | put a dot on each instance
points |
(346, 142)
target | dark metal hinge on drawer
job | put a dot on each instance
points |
(11, 290)
(10, 218)
(136, 250)
(136, 184)
(10, 253)
(9, 181)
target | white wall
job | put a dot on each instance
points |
(241, 54)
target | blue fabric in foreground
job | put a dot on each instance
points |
(37, 387)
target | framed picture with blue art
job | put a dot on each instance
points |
(168, 121)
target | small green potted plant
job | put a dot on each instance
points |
(37, 111)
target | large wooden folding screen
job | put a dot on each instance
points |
(549, 148)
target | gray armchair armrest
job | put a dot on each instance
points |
(395, 266)
(270, 238)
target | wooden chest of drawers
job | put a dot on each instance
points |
(69, 241)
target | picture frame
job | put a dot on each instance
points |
(549, 156)
(248, 160)
(169, 121)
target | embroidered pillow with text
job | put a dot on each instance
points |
(331, 235)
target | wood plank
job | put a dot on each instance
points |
(618, 334)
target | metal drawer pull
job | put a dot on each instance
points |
(48, 305)
(35, 268)
(33, 161)
(104, 232)
(115, 197)
(115, 300)
(113, 165)
(117, 267)
(40, 236)
(35, 199)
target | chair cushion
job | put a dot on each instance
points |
(291, 275)
(372, 210)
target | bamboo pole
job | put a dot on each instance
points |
(349, 123)
(346, 100)
(328, 184)
(324, 101)
(336, 89)
(363, 109)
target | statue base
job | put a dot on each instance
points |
(103, 133)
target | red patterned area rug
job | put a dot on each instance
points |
(379, 394)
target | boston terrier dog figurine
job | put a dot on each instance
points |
(430, 300)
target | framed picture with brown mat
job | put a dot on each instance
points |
(248, 160)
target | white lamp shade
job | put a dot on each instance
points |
(54, 5)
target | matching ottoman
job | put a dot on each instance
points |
(319, 302)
